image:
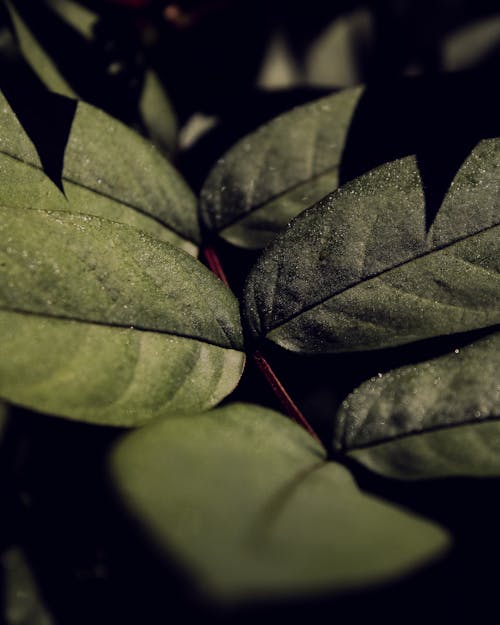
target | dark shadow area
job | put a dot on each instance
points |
(106, 71)
(440, 119)
(48, 124)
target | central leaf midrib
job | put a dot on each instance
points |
(372, 276)
(262, 205)
(109, 324)
(138, 209)
(422, 432)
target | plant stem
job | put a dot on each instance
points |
(287, 403)
(214, 264)
(289, 406)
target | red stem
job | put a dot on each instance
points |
(214, 264)
(287, 403)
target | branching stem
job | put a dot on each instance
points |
(289, 406)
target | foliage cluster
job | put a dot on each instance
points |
(347, 249)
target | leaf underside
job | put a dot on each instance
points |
(273, 174)
(433, 419)
(244, 499)
(109, 171)
(359, 271)
(103, 323)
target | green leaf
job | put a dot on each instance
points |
(359, 271)
(433, 419)
(276, 172)
(102, 323)
(80, 17)
(109, 171)
(245, 500)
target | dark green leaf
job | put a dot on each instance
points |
(103, 323)
(275, 173)
(109, 171)
(245, 500)
(437, 418)
(359, 271)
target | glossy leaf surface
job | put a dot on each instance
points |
(245, 500)
(433, 419)
(103, 323)
(273, 174)
(359, 270)
(108, 170)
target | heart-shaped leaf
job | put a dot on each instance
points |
(276, 172)
(102, 323)
(359, 271)
(109, 171)
(245, 500)
(437, 418)
(83, 71)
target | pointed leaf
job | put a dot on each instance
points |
(102, 323)
(276, 172)
(433, 419)
(245, 500)
(359, 271)
(109, 171)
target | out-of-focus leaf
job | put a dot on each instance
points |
(433, 419)
(22, 603)
(102, 323)
(245, 500)
(37, 57)
(157, 113)
(109, 171)
(60, 69)
(360, 271)
(276, 172)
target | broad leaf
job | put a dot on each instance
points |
(275, 173)
(102, 323)
(109, 171)
(437, 418)
(359, 271)
(245, 500)
(64, 71)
